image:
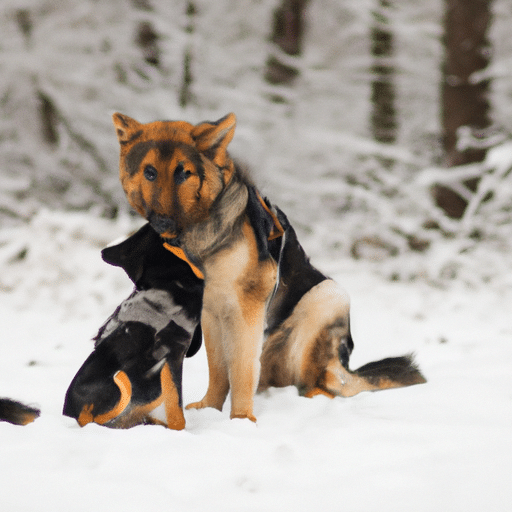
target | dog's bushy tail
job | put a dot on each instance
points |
(16, 412)
(392, 372)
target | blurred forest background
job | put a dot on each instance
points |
(382, 128)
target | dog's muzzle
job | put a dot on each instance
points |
(162, 224)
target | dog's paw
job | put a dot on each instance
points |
(202, 404)
(195, 405)
(318, 391)
(243, 416)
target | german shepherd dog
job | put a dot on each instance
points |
(133, 376)
(258, 283)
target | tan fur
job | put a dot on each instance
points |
(301, 349)
(237, 287)
(317, 391)
(304, 351)
(342, 382)
(125, 388)
(27, 418)
(170, 398)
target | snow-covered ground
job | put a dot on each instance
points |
(442, 446)
(445, 445)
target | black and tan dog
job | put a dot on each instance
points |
(133, 376)
(181, 178)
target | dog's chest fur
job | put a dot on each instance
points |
(221, 231)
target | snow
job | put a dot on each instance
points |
(445, 445)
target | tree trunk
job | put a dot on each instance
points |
(287, 34)
(147, 40)
(464, 94)
(383, 117)
(185, 94)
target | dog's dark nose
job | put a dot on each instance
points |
(162, 224)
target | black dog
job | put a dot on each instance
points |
(134, 374)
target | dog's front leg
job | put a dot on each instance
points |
(233, 332)
(218, 382)
(243, 341)
(243, 333)
(237, 288)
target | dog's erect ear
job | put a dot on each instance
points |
(212, 138)
(129, 254)
(127, 128)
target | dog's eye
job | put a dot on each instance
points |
(180, 174)
(150, 173)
